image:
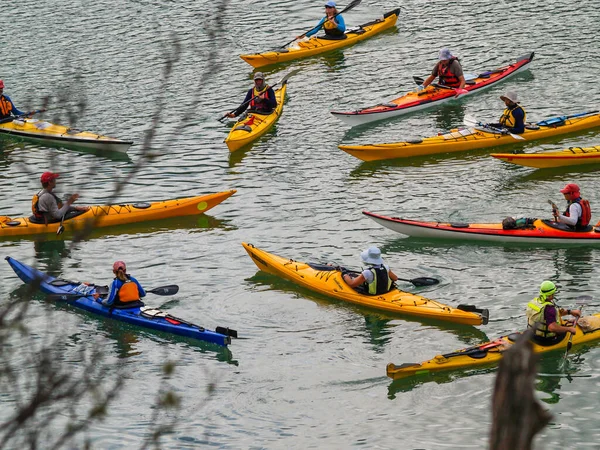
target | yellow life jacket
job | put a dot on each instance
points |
(129, 292)
(536, 319)
(508, 120)
(331, 29)
(382, 275)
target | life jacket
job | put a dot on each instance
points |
(5, 107)
(260, 104)
(446, 77)
(381, 281)
(508, 119)
(331, 29)
(128, 292)
(536, 319)
(586, 213)
(35, 201)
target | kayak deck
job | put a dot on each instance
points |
(432, 95)
(541, 231)
(486, 354)
(316, 45)
(143, 317)
(254, 125)
(329, 281)
(58, 135)
(573, 156)
(467, 139)
(110, 215)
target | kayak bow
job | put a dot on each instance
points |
(328, 280)
(432, 95)
(144, 317)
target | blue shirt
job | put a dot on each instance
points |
(339, 19)
(8, 107)
(116, 285)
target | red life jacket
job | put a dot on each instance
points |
(446, 77)
(260, 104)
(586, 213)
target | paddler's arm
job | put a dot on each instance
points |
(554, 327)
(315, 30)
(393, 276)
(354, 282)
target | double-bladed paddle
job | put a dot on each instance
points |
(171, 289)
(347, 8)
(472, 122)
(421, 281)
(282, 82)
(561, 119)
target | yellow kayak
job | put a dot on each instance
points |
(254, 125)
(486, 354)
(573, 156)
(472, 139)
(316, 45)
(327, 280)
(47, 133)
(109, 215)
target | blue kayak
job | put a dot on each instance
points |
(80, 296)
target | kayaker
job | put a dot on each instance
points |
(449, 73)
(47, 207)
(514, 116)
(7, 107)
(260, 98)
(578, 213)
(334, 25)
(377, 278)
(545, 317)
(125, 291)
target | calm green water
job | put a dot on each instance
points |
(310, 372)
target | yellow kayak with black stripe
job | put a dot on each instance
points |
(486, 354)
(573, 156)
(473, 138)
(328, 281)
(51, 134)
(317, 45)
(109, 215)
(254, 125)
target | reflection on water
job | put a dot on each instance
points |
(49, 255)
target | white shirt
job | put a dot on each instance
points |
(575, 212)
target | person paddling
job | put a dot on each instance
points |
(514, 116)
(7, 107)
(578, 213)
(377, 278)
(47, 207)
(333, 24)
(260, 98)
(125, 291)
(449, 73)
(545, 317)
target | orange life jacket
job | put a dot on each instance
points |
(5, 107)
(586, 213)
(129, 292)
(446, 77)
(34, 204)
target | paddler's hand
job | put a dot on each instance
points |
(420, 88)
(576, 312)
(72, 198)
(572, 330)
(460, 92)
(230, 115)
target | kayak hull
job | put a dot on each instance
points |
(252, 127)
(542, 231)
(51, 285)
(463, 140)
(316, 46)
(50, 134)
(573, 156)
(486, 354)
(432, 95)
(110, 215)
(330, 283)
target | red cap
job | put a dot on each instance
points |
(570, 188)
(47, 177)
(119, 265)
(1, 84)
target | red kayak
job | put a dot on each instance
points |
(432, 95)
(541, 231)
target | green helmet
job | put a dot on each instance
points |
(547, 288)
